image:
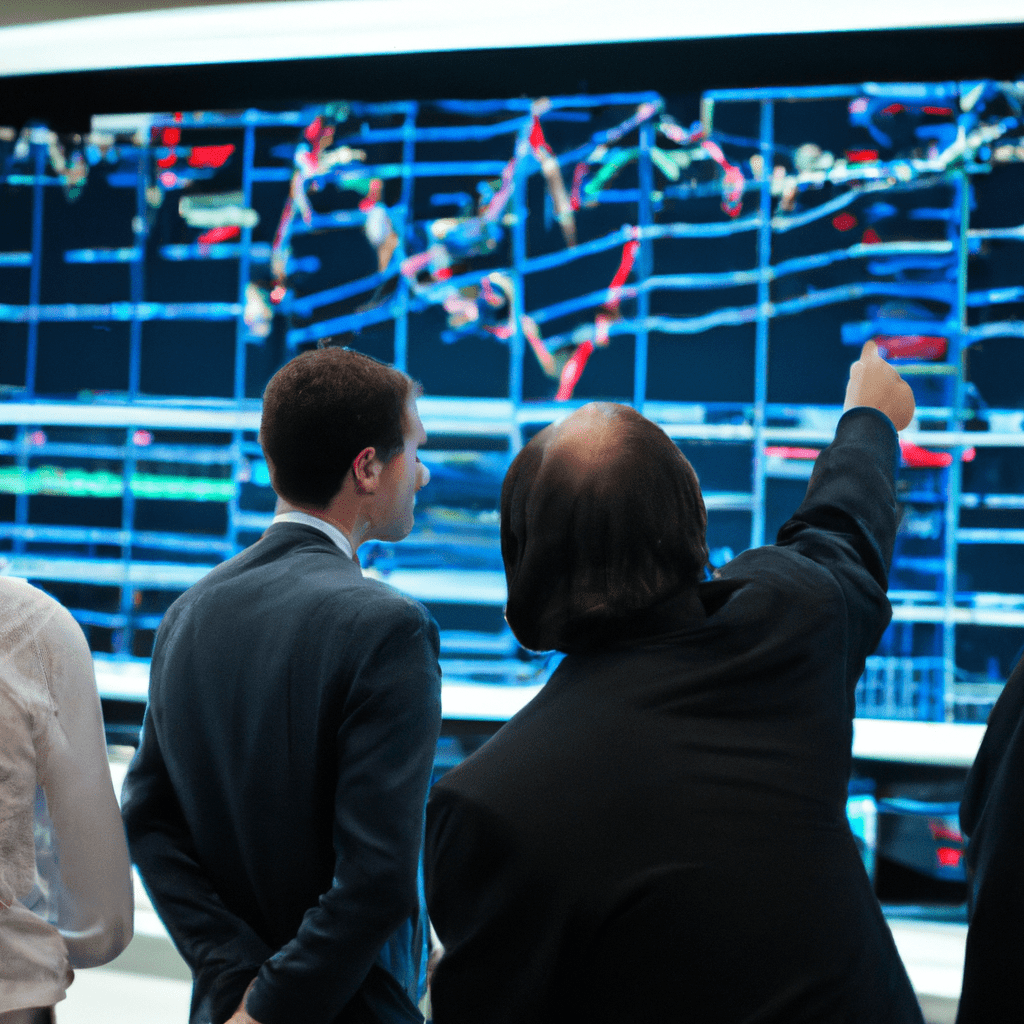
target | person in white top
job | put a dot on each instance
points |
(65, 882)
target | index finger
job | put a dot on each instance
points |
(869, 351)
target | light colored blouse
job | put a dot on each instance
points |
(65, 881)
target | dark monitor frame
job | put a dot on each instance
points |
(65, 101)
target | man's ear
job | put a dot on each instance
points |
(366, 469)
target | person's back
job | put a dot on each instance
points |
(660, 834)
(264, 667)
(683, 802)
(65, 886)
(275, 805)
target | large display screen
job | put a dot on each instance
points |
(714, 257)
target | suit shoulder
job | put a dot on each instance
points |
(377, 594)
(782, 581)
(378, 619)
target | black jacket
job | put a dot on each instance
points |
(275, 805)
(660, 835)
(992, 815)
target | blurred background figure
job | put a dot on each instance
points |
(992, 816)
(65, 884)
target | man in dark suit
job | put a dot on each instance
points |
(275, 806)
(660, 834)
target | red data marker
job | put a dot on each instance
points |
(210, 156)
(911, 346)
(916, 457)
(223, 234)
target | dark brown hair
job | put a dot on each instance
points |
(320, 410)
(602, 520)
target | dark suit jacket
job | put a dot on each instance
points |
(275, 805)
(660, 835)
(992, 814)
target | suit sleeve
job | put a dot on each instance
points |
(223, 952)
(386, 743)
(499, 940)
(847, 524)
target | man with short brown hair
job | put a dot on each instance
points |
(275, 807)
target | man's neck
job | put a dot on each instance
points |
(327, 515)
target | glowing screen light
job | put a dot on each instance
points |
(217, 34)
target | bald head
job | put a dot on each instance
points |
(602, 518)
(596, 424)
(582, 453)
(589, 440)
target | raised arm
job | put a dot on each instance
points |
(847, 521)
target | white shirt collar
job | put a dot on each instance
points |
(318, 524)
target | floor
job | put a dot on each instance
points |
(934, 956)
(149, 982)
